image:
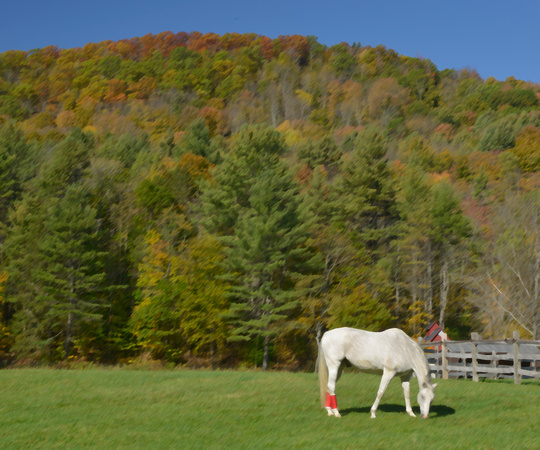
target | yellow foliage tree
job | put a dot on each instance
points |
(527, 149)
(182, 299)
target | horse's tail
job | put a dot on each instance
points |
(323, 375)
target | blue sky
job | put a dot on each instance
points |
(497, 38)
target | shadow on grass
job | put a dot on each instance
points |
(436, 410)
(441, 411)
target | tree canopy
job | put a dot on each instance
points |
(221, 200)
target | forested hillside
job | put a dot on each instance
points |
(222, 200)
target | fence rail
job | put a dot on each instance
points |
(506, 358)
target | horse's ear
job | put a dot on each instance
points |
(434, 386)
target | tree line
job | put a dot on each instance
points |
(222, 200)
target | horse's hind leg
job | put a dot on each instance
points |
(386, 377)
(334, 373)
(405, 383)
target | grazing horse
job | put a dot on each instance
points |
(389, 352)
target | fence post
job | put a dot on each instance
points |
(474, 355)
(495, 374)
(444, 361)
(517, 362)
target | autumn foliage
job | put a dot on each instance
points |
(221, 200)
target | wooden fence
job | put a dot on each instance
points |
(507, 358)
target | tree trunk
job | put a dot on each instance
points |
(318, 336)
(266, 353)
(445, 287)
(67, 342)
(397, 306)
(429, 283)
(536, 292)
(69, 325)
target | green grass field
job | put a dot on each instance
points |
(105, 408)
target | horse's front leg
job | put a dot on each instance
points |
(405, 383)
(386, 377)
(331, 402)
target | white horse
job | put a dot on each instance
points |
(389, 352)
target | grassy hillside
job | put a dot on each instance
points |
(43, 408)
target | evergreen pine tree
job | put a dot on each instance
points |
(8, 181)
(64, 276)
(55, 267)
(365, 200)
(254, 206)
(22, 290)
(364, 211)
(228, 193)
(198, 140)
(72, 274)
(413, 251)
(266, 256)
(449, 233)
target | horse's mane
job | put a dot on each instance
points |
(420, 362)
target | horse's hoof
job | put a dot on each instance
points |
(336, 413)
(410, 413)
(373, 416)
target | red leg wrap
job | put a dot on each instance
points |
(331, 401)
(328, 402)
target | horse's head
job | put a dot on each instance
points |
(425, 397)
